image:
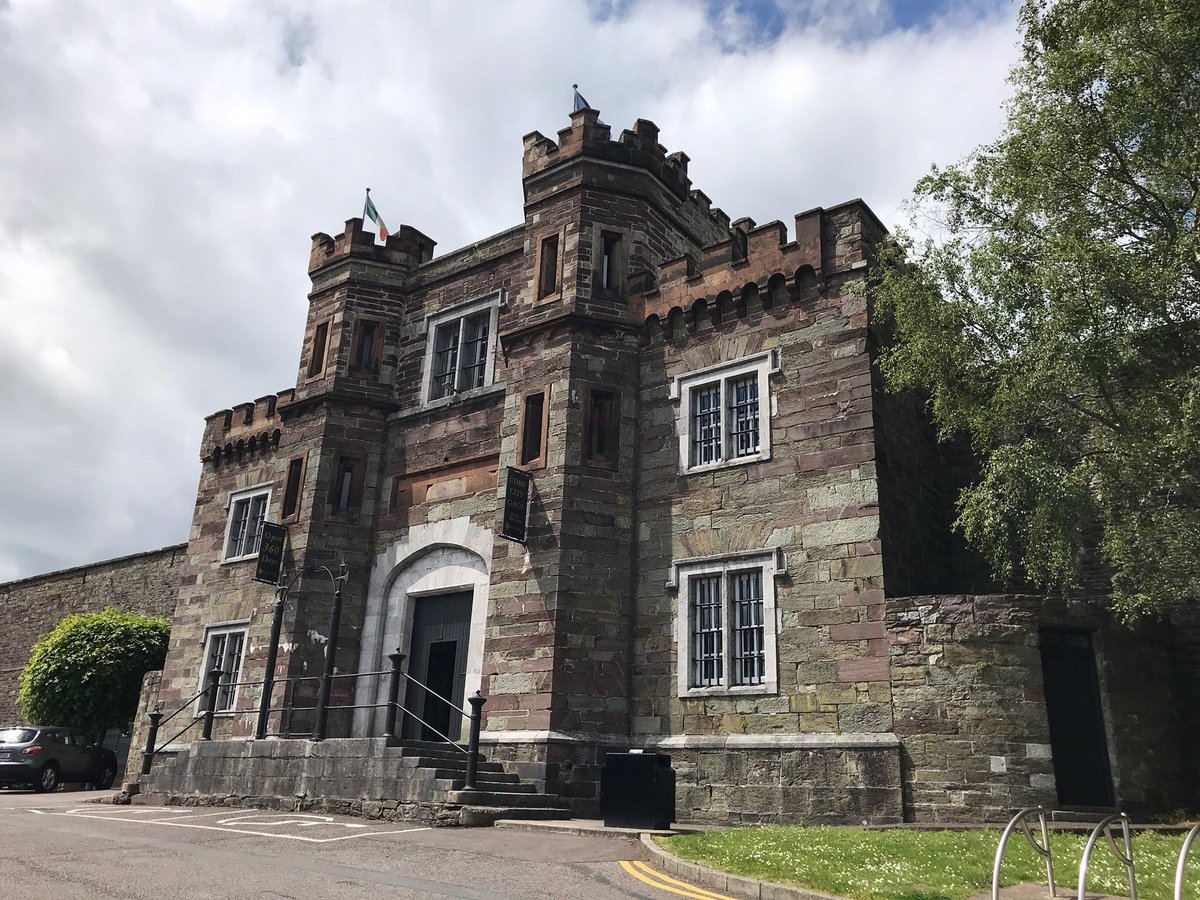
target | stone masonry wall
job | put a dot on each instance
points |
(816, 499)
(971, 714)
(145, 582)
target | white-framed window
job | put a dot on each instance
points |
(224, 647)
(243, 531)
(725, 413)
(726, 623)
(460, 348)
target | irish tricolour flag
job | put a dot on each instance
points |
(370, 212)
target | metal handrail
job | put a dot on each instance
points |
(392, 705)
(196, 696)
(430, 690)
(1043, 849)
(1183, 855)
(1105, 828)
(454, 744)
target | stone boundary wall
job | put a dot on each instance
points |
(734, 779)
(970, 709)
(353, 776)
(29, 608)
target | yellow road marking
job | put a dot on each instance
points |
(665, 882)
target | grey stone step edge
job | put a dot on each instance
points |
(723, 882)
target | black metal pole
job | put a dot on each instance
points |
(389, 720)
(151, 740)
(210, 702)
(473, 742)
(264, 705)
(335, 617)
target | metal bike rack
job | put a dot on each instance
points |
(1105, 828)
(1043, 849)
(1183, 855)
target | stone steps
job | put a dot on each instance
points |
(485, 816)
(486, 784)
(507, 798)
(484, 775)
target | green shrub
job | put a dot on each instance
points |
(87, 672)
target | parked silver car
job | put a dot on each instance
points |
(46, 757)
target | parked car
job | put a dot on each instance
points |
(44, 758)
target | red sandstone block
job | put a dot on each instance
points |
(875, 669)
(857, 631)
(871, 597)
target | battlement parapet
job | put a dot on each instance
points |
(588, 136)
(760, 259)
(407, 248)
(247, 428)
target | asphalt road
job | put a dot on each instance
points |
(59, 845)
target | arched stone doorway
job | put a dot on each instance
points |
(427, 597)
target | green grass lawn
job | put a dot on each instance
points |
(927, 865)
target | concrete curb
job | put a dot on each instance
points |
(723, 882)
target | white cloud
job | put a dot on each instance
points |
(163, 164)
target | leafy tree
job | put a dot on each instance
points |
(1050, 307)
(87, 672)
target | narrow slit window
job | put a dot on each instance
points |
(367, 347)
(320, 341)
(600, 435)
(347, 486)
(548, 273)
(610, 271)
(291, 491)
(532, 434)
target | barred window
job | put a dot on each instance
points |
(749, 659)
(460, 355)
(727, 621)
(743, 407)
(459, 352)
(707, 632)
(706, 424)
(224, 652)
(726, 413)
(247, 512)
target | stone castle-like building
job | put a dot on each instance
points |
(738, 546)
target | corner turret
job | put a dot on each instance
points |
(406, 248)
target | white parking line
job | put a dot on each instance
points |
(284, 820)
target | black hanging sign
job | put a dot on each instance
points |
(270, 553)
(516, 505)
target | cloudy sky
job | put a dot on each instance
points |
(163, 164)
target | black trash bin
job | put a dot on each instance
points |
(637, 790)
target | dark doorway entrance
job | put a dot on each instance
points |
(1076, 721)
(438, 659)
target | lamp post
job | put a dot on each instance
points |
(281, 595)
(335, 618)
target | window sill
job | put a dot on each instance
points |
(238, 559)
(741, 690)
(725, 464)
(498, 387)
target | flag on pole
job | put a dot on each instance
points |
(580, 103)
(370, 212)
